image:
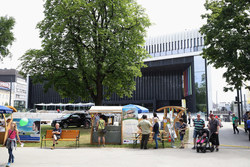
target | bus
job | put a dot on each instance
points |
(53, 107)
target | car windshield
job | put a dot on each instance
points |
(66, 116)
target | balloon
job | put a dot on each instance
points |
(23, 122)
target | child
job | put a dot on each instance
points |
(182, 130)
(11, 141)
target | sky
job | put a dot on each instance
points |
(167, 16)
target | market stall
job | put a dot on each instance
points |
(6, 110)
(113, 118)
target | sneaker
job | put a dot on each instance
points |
(155, 147)
(52, 148)
(194, 148)
(217, 149)
(8, 164)
(181, 147)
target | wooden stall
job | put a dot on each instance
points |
(113, 120)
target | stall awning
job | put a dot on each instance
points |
(105, 109)
(5, 110)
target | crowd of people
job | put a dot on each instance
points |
(145, 126)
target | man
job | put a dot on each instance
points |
(248, 127)
(56, 134)
(235, 123)
(214, 126)
(245, 118)
(199, 124)
(145, 127)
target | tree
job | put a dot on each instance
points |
(227, 39)
(90, 48)
(6, 35)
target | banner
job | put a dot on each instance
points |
(130, 122)
(29, 129)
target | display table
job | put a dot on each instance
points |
(112, 136)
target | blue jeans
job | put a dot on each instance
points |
(11, 156)
(156, 139)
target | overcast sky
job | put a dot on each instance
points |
(167, 16)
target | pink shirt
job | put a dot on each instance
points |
(13, 134)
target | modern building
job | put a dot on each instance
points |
(15, 84)
(175, 73)
(4, 93)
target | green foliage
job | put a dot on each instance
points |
(6, 35)
(89, 49)
(227, 39)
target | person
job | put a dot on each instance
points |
(182, 130)
(11, 141)
(245, 118)
(101, 130)
(189, 119)
(56, 134)
(155, 116)
(199, 124)
(145, 127)
(184, 117)
(156, 132)
(235, 123)
(248, 127)
(214, 126)
(36, 127)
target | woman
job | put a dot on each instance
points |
(182, 130)
(11, 141)
(101, 130)
(156, 132)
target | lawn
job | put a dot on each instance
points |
(85, 140)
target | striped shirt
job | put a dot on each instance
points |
(198, 124)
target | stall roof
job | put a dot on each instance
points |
(105, 109)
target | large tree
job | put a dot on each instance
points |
(227, 39)
(90, 48)
(6, 35)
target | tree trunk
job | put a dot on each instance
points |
(99, 96)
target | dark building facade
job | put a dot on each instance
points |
(175, 72)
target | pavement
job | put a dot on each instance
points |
(235, 151)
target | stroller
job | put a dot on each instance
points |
(203, 141)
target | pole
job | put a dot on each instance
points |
(241, 103)
(10, 90)
(238, 103)
(206, 86)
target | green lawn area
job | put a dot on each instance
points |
(85, 140)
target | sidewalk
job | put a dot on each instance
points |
(226, 137)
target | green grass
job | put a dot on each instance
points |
(85, 140)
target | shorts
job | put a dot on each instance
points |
(57, 136)
(196, 133)
(101, 133)
(181, 137)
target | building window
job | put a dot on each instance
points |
(178, 45)
(181, 43)
(163, 49)
(201, 41)
(172, 46)
(184, 44)
(169, 46)
(149, 49)
(194, 42)
(152, 47)
(197, 41)
(188, 43)
(157, 47)
(191, 40)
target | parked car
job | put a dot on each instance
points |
(74, 119)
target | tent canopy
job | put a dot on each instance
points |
(5, 110)
(105, 109)
(140, 109)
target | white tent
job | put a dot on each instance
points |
(105, 109)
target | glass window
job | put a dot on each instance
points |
(184, 44)
(169, 46)
(191, 43)
(194, 42)
(197, 41)
(188, 43)
(172, 45)
(201, 41)
(181, 43)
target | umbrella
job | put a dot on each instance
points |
(13, 108)
(140, 109)
(5, 110)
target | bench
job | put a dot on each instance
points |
(163, 136)
(66, 135)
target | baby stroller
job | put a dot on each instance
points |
(203, 141)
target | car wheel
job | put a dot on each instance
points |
(86, 125)
(65, 125)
